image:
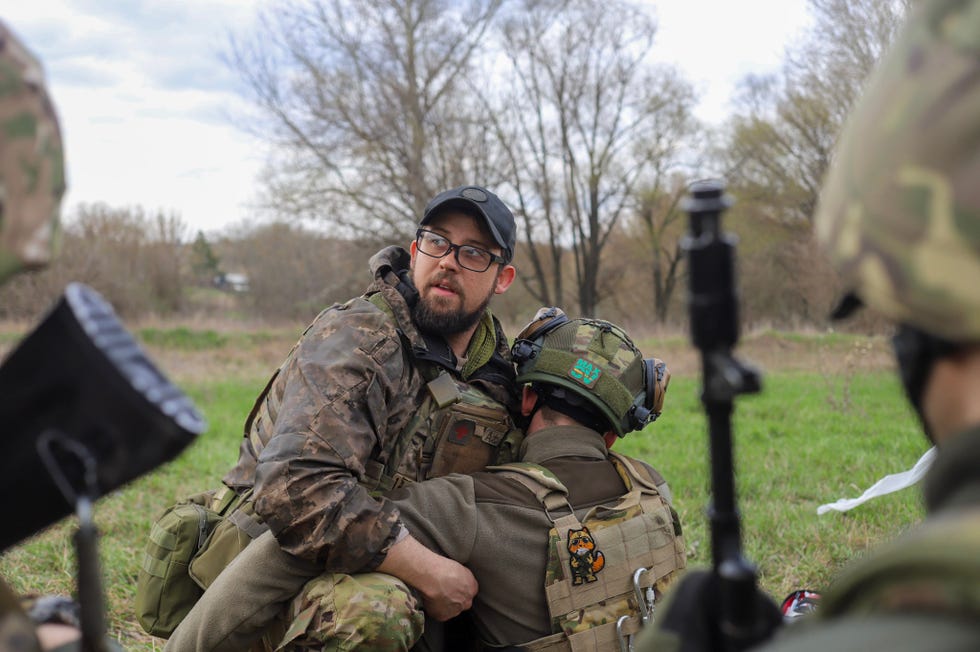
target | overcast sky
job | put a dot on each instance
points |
(145, 101)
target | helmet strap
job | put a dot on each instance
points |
(917, 352)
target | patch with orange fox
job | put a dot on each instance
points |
(585, 560)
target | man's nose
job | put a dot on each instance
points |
(449, 260)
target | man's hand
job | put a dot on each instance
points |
(447, 587)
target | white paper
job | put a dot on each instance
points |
(888, 484)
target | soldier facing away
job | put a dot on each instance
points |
(561, 543)
(900, 217)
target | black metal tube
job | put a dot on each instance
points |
(713, 306)
(90, 596)
(722, 514)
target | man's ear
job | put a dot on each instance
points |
(413, 250)
(505, 277)
(610, 438)
(528, 400)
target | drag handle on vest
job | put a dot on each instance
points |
(713, 311)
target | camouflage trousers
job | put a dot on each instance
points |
(337, 612)
(266, 599)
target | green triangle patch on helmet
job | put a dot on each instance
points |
(596, 360)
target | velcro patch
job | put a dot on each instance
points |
(584, 372)
(461, 431)
(585, 560)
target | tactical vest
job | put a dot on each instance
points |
(606, 572)
(457, 428)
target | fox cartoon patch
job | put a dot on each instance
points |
(585, 560)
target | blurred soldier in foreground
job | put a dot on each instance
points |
(32, 182)
(32, 178)
(900, 217)
(82, 409)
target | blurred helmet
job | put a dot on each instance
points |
(593, 360)
(900, 209)
(32, 177)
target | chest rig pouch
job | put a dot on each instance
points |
(457, 429)
(606, 571)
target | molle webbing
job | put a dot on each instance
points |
(635, 532)
(441, 392)
(265, 410)
(600, 638)
(457, 428)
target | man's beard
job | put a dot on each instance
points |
(428, 318)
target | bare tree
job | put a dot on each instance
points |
(363, 102)
(661, 222)
(848, 39)
(294, 272)
(582, 119)
(783, 137)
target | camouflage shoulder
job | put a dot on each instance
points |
(637, 468)
(932, 569)
(535, 472)
(356, 325)
(361, 310)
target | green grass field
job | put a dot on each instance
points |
(810, 437)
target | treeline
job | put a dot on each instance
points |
(371, 108)
(149, 265)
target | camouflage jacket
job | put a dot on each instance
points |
(348, 387)
(920, 592)
(499, 530)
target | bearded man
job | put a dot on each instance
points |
(411, 380)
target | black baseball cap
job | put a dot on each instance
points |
(479, 202)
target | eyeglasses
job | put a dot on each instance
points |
(469, 257)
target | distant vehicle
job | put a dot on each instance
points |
(232, 282)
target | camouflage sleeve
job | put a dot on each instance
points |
(441, 513)
(340, 387)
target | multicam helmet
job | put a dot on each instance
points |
(595, 360)
(32, 178)
(900, 210)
